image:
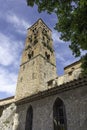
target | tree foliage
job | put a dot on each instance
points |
(84, 65)
(72, 21)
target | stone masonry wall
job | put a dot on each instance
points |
(33, 77)
(7, 118)
(75, 101)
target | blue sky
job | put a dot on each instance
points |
(15, 18)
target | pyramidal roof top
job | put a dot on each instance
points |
(42, 22)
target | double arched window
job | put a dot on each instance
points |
(29, 119)
(59, 115)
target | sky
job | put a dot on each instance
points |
(15, 18)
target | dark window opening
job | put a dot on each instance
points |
(50, 82)
(35, 41)
(59, 115)
(27, 47)
(73, 69)
(70, 73)
(44, 31)
(31, 54)
(30, 40)
(29, 119)
(47, 56)
(34, 31)
(45, 53)
(35, 37)
(43, 38)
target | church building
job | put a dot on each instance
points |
(43, 100)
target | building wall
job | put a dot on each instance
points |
(32, 79)
(72, 67)
(37, 74)
(38, 61)
(7, 117)
(75, 101)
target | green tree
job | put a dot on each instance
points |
(72, 22)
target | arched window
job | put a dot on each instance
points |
(29, 119)
(59, 115)
(47, 56)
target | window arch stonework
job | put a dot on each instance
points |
(59, 115)
(29, 118)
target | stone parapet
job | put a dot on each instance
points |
(7, 101)
(64, 79)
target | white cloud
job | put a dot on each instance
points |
(59, 57)
(65, 58)
(9, 56)
(20, 24)
(62, 50)
(56, 36)
(7, 81)
(9, 50)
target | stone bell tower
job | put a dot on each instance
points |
(38, 61)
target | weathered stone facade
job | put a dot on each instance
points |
(75, 101)
(7, 118)
(38, 61)
(39, 87)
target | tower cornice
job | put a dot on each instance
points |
(37, 22)
(37, 56)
